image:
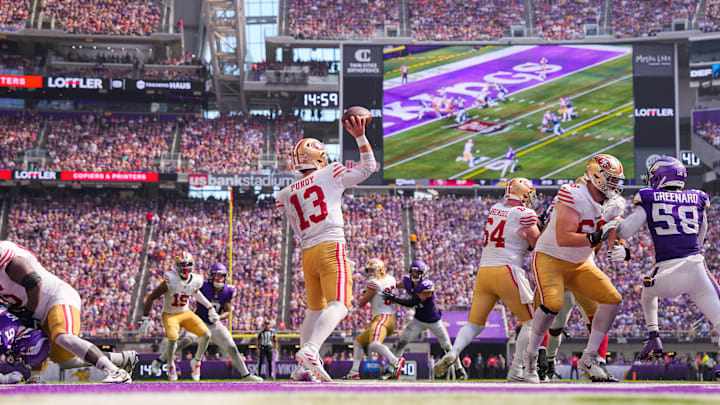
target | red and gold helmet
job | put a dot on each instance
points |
(309, 154)
(605, 172)
(184, 264)
(523, 190)
(374, 268)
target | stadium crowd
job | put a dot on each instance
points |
(13, 14)
(340, 19)
(466, 20)
(93, 242)
(18, 133)
(640, 18)
(710, 131)
(103, 17)
(557, 20)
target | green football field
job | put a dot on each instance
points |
(602, 96)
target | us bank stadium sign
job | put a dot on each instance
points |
(240, 180)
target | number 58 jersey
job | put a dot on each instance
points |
(674, 219)
(503, 246)
(313, 206)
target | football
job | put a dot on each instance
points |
(359, 112)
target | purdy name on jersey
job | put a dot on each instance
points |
(216, 298)
(427, 311)
(674, 219)
(503, 246)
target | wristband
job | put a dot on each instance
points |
(362, 141)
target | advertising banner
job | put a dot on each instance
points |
(653, 60)
(5, 174)
(240, 180)
(35, 175)
(108, 176)
(494, 331)
(34, 82)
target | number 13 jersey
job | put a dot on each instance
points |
(313, 204)
(503, 246)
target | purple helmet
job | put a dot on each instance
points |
(666, 172)
(418, 265)
(33, 347)
(218, 274)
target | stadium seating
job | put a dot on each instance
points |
(13, 14)
(18, 133)
(557, 20)
(465, 20)
(340, 19)
(100, 17)
(640, 18)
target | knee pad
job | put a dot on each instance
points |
(548, 310)
(555, 332)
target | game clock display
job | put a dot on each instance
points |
(328, 99)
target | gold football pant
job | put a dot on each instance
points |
(381, 326)
(188, 320)
(493, 284)
(553, 276)
(61, 319)
(327, 275)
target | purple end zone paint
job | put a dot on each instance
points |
(517, 71)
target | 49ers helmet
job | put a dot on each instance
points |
(374, 268)
(605, 172)
(309, 154)
(523, 190)
(184, 264)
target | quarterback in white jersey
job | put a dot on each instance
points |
(510, 229)
(467, 155)
(383, 321)
(177, 288)
(562, 260)
(33, 292)
(312, 205)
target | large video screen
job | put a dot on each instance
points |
(497, 112)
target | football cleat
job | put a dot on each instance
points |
(118, 376)
(551, 373)
(130, 359)
(311, 361)
(352, 375)
(444, 363)
(300, 373)
(609, 378)
(590, 365)
(515, 374)
(542, 365)
(252, 378)
(172, 373)
(387, 375)
(195, 369)
(156, 367)
(461, 373)
(653, 347)
(397, 370)
(530, 373)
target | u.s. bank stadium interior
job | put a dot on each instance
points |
(133, 130)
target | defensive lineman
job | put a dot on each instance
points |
(313, 206)
(510, 229)
(383, 321)
(220, 295)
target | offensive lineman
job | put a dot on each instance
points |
(177, 288)
(562, 260)
(678, 224)
(34, 292)
(220, 295)
(510, 229)
(420, 296)
(313, 206)
(383, 321)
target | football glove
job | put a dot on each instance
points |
(612, 208)
(406, 302)
(21, 312)
(601, 235)
(144, 327)
(213, 315)
(619, 253)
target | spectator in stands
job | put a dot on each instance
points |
(124, 17)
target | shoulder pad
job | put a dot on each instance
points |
(427, 285)
(231, 289)
(374, 284)
(637, 199)
(337, 169)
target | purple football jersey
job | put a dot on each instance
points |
(674, 219)
(426, 311)
(218, 299)
(10, 326)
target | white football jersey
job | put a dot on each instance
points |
(53, 291)
(503, 246)
(177, 297)
(378, 304)
(313, 206)
(577, 197)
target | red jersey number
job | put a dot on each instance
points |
(10, 298)
(318, 202)
(496, 235)
(180, 300)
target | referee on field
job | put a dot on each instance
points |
(266, 342)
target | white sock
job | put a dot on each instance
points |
(238, 363)
(465, 335)
(540, 325)
(602, 321)
(553, 344)
(115, 358)
(384, 351)
(170, 353)
(104, 365)
(326, 323)
(521, 343)
(79, 347)
(650, 309)
(203, 342)
(308, 325)
(75, 362)
(357, 356)
(184, 342)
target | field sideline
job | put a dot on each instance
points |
(362, 392)
(601, 94)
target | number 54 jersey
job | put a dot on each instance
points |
(674, 219)
(503, 246)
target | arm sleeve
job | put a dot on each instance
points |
(632, 223)
(703, 230)
(202, 300)
(356, 175)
